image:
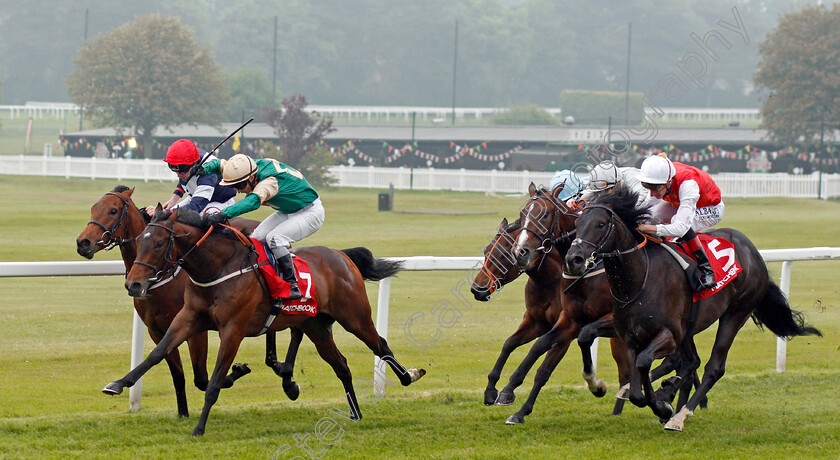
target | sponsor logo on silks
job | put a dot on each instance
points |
(299, 308)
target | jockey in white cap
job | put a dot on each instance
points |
(692, 201)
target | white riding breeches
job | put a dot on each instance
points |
(703, 217)
(281, 230)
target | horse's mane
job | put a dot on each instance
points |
(515, 225)
(623, 201)
(120, 189)
(193, 218)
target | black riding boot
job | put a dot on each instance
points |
(288, 268)
(707, 275)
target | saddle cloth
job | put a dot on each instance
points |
(721, 255)
(279, 288)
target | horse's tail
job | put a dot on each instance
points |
(774, 312)
(372, 269)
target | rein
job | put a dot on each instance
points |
(111, 242)
(596, 254)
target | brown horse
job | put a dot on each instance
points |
(116, 221)
(235, 302)
(653, 312)
(557, 306)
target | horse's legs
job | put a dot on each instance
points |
(603, 327)
(362, 327)
(318, 330)
(662, 345)
(173, 360)
(619, 354)
(552, 358)
(728, 327)
(539, 348)
(230, 337)
(198, 356)
(184, 326)
(527, 331)
(285, 369)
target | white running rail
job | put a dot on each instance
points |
(415, 263)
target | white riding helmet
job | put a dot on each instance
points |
(237, 169)
(603, 176)
(657, 170)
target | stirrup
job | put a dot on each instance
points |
(294, 292)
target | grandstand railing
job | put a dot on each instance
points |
(416, 263)
(733, 185)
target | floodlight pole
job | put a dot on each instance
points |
(81, 110)
(274, 73)
(454, 71)
(627, 81)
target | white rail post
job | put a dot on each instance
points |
(382, 305)
(138, 336)
(781, 342)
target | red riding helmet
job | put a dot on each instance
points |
(182, 152)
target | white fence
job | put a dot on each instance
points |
(733, 185)
(417, 263)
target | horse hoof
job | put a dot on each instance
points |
(292, 390)
(515, 419)
(113, 389)
(490, 396)
(674, 425)
(196, 432)
(505, 399)
(416, 374)
(600, 389)
(665, 417)
(241, 369)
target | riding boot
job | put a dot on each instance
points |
(707, 275)
(286, 264)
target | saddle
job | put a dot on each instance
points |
(721, 254)
(279, 288)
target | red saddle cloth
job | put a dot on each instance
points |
(278, 287)
(721, 254)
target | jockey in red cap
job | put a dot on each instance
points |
(204, 194)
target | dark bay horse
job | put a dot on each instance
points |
(236, 304)
(653, 312)
(557, 306)
(116, 221)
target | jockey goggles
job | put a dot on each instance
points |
(652, 186)
(179, 168)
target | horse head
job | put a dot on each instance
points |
(499, 264)
(158, 252)
(109, 222)
(546, 222)
(605, 229)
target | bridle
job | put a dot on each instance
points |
(503, 233)
(597, 253)
(111, 242)
(547, 241)
(169, 263)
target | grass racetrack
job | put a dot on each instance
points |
(62, 339)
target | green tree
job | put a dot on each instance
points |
(250, 92)
(299, 135)
(145, 74)
(800, 71)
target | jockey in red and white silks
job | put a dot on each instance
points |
(691, 201)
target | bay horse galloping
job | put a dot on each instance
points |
(653, 312)
(557, 306)
(116, 221)
(235, 302)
